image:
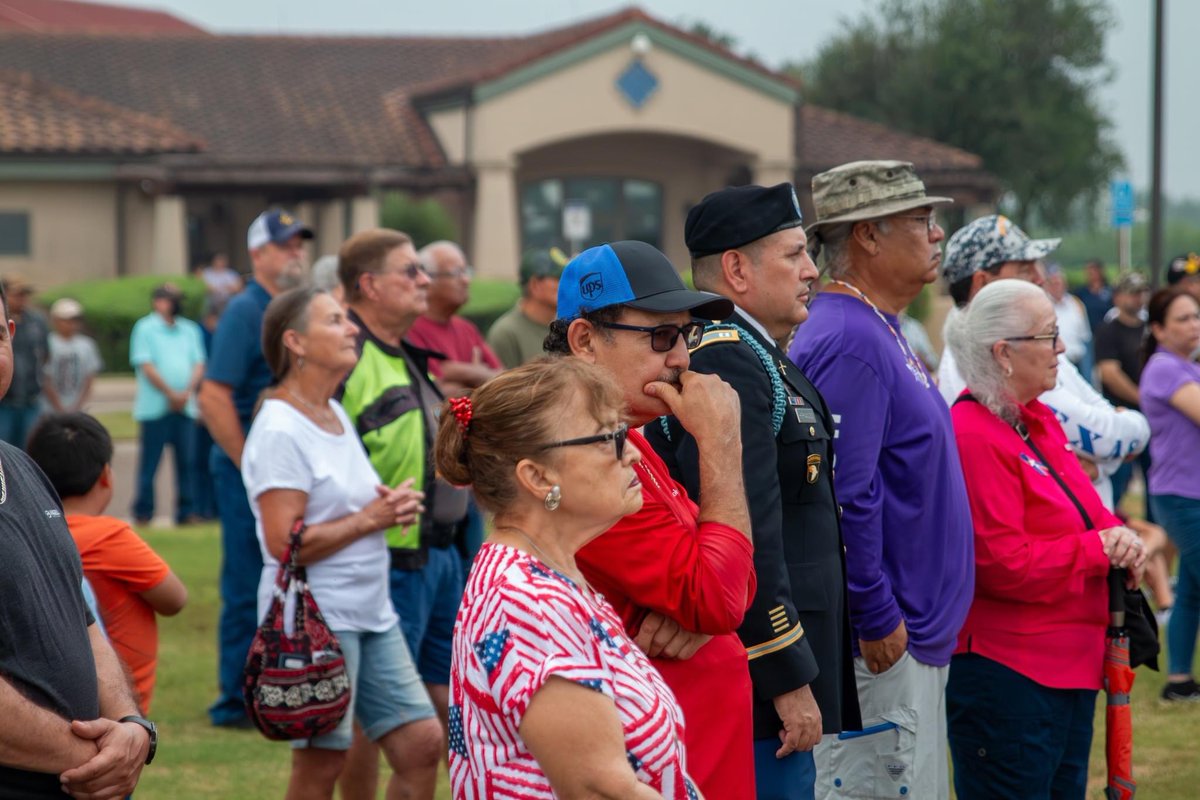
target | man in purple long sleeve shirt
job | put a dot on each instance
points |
(906, 518)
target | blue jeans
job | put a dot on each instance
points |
(205, 493)
(16, 422)
(174, 429)
(1012, 737)
(1121, 478)
(1181, 517)
(475, 533)
(241, 566)
(427, 601)
(792, 777)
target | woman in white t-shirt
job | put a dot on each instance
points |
(302, 459)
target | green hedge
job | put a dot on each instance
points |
(111, 307)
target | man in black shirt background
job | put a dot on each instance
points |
(1119, 361)
(69, 718)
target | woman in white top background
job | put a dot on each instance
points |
(302, 459)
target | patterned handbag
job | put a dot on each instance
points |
(295, 685)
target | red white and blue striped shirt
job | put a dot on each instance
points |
(521, 622)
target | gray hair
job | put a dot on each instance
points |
(325, 273)
(835, 244)
(1001, 309)
(427, 255)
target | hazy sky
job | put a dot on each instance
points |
(775, 31)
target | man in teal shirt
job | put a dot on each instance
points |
(167, 352)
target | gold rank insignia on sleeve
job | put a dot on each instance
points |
(717, 335)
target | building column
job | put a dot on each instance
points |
(768, 172)
(169, 251)
(364, 213)
(330, 227)
(496, 240)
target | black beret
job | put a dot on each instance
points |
(738, 215)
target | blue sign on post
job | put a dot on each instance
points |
(1122, 204)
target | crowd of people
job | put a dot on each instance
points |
(744, 540)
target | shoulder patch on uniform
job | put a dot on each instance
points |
(713, 336)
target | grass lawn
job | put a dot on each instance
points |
(120, 424)
(196, 760)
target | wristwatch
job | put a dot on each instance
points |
(151, 729)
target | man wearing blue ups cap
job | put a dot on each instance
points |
(673, 570)
(236, 375)
(747, 244)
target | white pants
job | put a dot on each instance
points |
(901, 752)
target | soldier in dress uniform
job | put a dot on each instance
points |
(747, 244)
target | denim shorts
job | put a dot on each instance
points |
(385, 689)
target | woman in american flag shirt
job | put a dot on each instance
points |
(549, 697)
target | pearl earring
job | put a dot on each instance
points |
(553, 498)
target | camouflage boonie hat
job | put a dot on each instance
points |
(1131, 283)
(987, 242)
(863, 190)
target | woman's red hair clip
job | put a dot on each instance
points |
(461, 408)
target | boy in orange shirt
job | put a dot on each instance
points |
(132, 583)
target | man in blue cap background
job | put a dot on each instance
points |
(747, 244)
(237, 374)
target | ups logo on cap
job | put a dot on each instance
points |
(591, 286)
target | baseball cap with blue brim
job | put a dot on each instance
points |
(988, 242)
(275, 226)
(635, 274)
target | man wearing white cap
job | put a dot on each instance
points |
(991, 248)
(73, 362)
(237, 374)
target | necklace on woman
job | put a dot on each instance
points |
(313, 410)
(546, 559)
(3, 486)
(910, 358)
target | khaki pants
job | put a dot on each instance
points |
(901, 751)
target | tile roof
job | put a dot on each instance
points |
(70, 15)
(826, 138)
(277, 102)
(264, 100)
(38, 118)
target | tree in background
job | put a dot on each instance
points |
(424, 220)
(1010, 80)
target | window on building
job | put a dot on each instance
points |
(14, 233)
(621, 208)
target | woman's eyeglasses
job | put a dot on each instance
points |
(664, 337)
(617, 437)
(1051, 337)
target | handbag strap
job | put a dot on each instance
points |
(299, 574)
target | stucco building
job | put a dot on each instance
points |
(128, 153)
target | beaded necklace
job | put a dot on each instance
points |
(910, 358)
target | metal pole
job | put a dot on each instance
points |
(1156, 212)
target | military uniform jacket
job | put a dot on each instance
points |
(797, 630)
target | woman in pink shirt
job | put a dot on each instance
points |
(1023, 680)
